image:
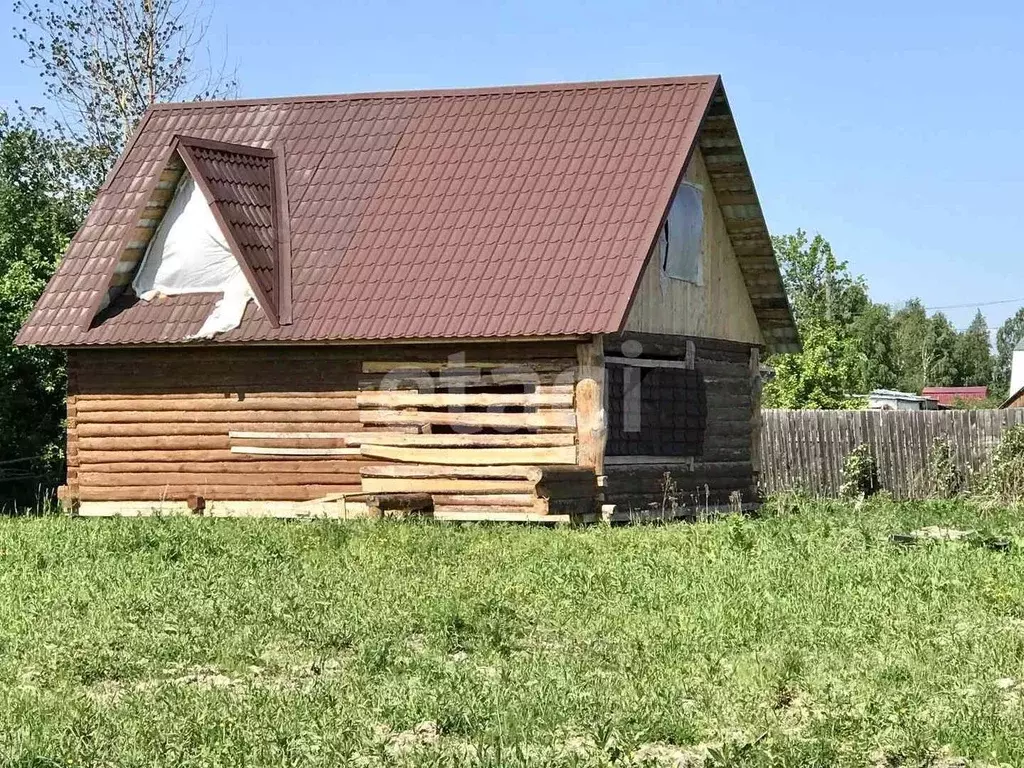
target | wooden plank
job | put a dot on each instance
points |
(487, 500)
(542, 419)
(463, 440)
(287, 451)
(640, 362)
(657, 461)
(400, 399)
(539, 507)
(531, 474)
(340, 509)
(483, 516)
(443, 485)
(472, 456)
(236, 435)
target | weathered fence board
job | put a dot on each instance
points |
(806, 449)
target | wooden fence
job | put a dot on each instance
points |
(806, 449)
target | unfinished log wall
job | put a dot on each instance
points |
(286, 424)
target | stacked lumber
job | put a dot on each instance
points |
(511, 493)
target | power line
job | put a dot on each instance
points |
(977, 304)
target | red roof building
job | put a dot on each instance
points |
(947, 396)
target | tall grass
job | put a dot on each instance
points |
(800, 638)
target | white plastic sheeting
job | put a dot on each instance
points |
(189, 254)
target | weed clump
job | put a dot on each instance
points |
(860, 474)
(1003, 482)
(945, 478)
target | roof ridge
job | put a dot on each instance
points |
(583, 85)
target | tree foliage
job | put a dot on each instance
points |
(852, 345)
(104, 62)
(1009, 333)
(37, 218)
(973, 353)
(826, 299)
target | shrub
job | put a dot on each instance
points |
(945, 480)
(860, 473)
(1003, 481)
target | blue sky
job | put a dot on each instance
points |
(896, 129)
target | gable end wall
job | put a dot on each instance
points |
(718, 309)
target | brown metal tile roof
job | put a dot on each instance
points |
(503, 212)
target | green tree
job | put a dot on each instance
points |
(826, 299)
(819, 286)
(875, 336)
(913, 352)
(818, 377)
(1009, 333)
(37, 218)
(974, 354)
(942, 339)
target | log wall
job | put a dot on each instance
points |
(725, 469)
(270, 423)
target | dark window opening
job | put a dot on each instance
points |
(655, 411)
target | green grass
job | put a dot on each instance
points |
(801, 638)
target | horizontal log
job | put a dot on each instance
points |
(469, 379)
(443, 485)
(106, 457)
(538, 364)
(200, 405)
(171, 417)
(472, 456)
(176, 442)
(399, 399)
(212, 492)
(367, 437)
(198, 480)
(241, 395)
(160, 429)
(563, 419)
(277, 466)
(287, 451)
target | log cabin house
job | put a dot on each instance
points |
(514, 303)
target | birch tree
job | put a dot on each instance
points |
(104, 62)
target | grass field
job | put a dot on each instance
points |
(803, 638)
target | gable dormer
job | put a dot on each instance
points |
(244, 189)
